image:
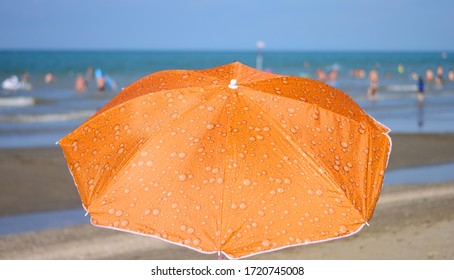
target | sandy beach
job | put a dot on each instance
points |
(410, 221)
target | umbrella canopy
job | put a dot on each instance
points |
(229, 159)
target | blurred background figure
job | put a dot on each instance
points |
(358, 73)
(89, 74)
(104, 81)
(400, 68)
(80, 84)
(429, 75)
(100, 80)
(49, 78)
(373, 85)
(439, 77)
(332, 77)
(259, 59)
(321, 75)
(451, 75)
(420, 90)
(13, 83)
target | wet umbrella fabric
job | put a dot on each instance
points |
(229, 159)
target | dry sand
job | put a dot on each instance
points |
(410, 222)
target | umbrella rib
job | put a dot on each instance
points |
(352, 102)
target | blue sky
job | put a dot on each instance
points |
(228, 25)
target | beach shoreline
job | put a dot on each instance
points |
(410, 222)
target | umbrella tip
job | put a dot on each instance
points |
(233, 84)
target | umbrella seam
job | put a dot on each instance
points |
(312, 103)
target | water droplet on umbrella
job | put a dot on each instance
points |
(266, 243)
(156, 211)
(343, 229)
(182, 177)
(246, 182)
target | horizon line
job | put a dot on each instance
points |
(225, 50)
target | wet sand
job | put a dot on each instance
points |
(410, 222)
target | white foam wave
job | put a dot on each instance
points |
(402, 87)
(20, 101)
(55, 117)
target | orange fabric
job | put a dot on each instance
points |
(277, 162)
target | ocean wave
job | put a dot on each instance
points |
(401, 88)
(20, 101)
(41, 118)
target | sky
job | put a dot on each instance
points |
(298, 25)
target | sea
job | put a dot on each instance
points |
(40, 116)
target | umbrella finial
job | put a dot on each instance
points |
(233, 84)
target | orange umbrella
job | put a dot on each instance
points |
(229, 159)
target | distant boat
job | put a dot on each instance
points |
(13, 83)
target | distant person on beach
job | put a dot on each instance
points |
(321, 75)
(373, 85)
(332, 77)
(420, 90)
(25, 81)
(100, 80)
(429, 75)
(104, 81)
(358, 73)
(439, 77)
(49, 78)
(89, 74)
(400, 68)
(80, 84)
(451, 75)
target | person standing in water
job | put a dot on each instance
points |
(373, 87)
(420, 90)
